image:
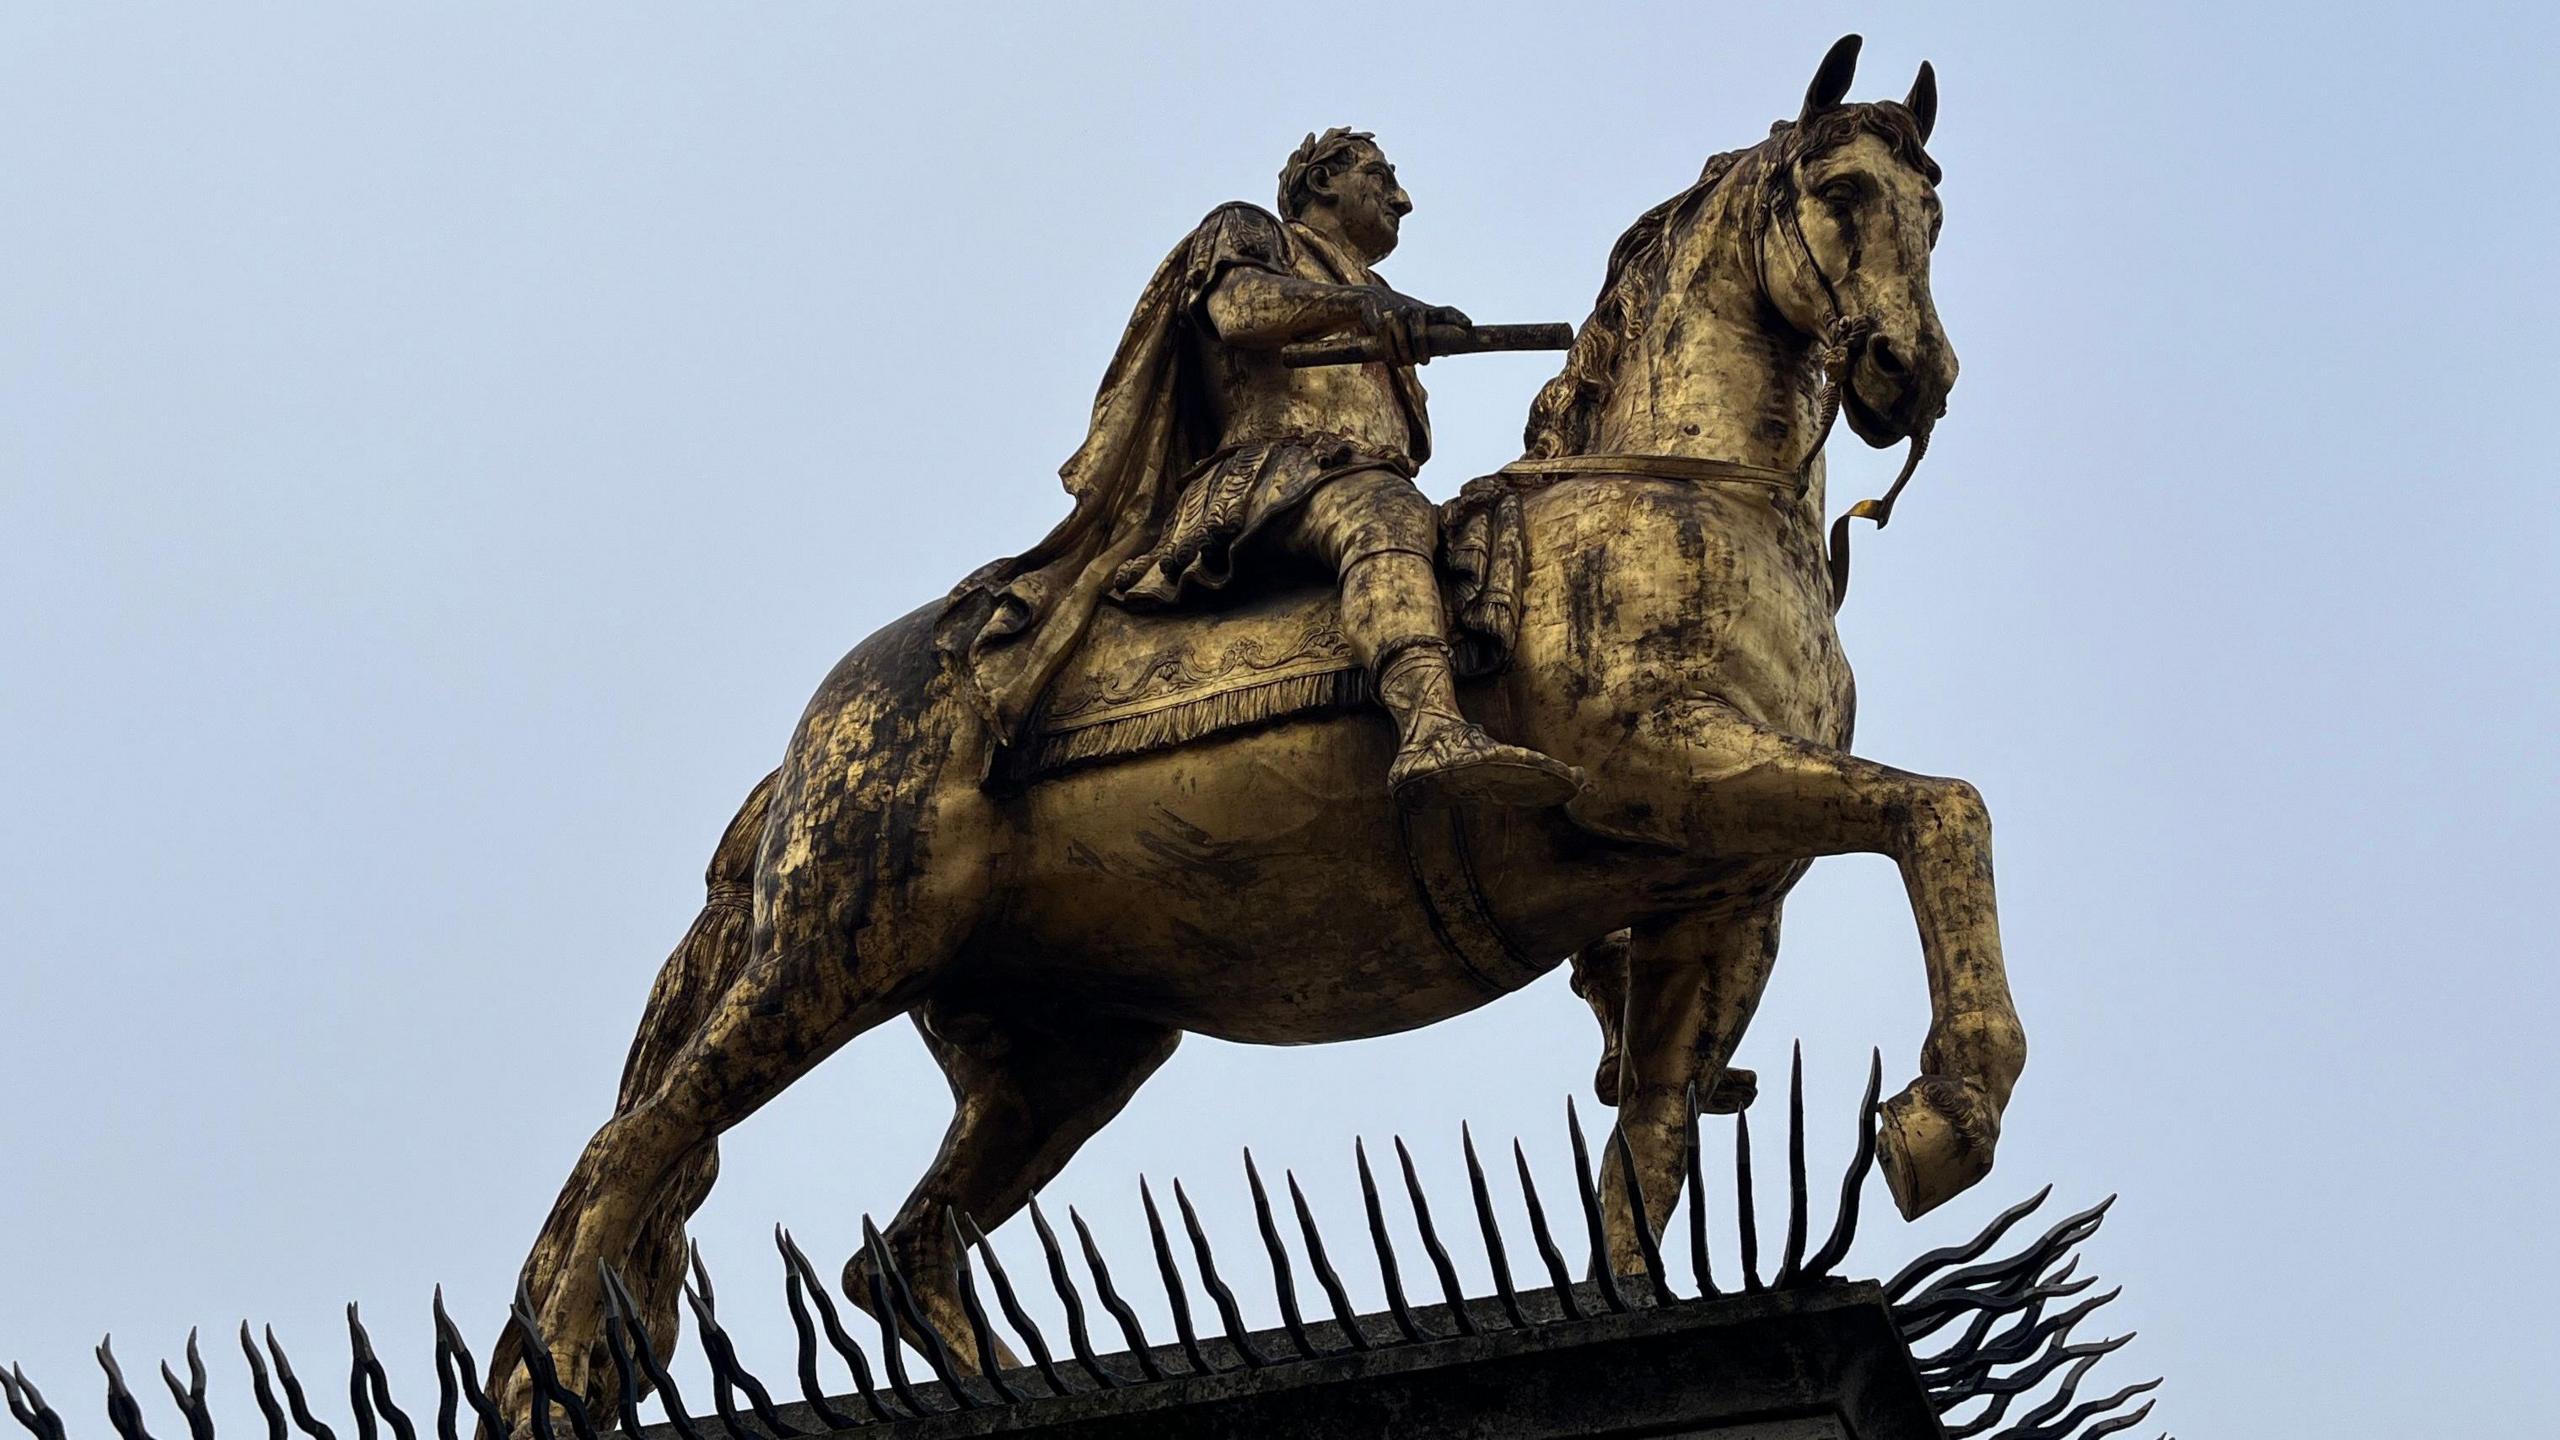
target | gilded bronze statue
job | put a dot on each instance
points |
(1135, 782)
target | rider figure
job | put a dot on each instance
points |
(1208, 450)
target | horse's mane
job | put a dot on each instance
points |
(1560, 421)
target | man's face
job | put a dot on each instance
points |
(1368, 201)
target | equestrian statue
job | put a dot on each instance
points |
(1259, 743)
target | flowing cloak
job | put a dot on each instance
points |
(1007, 628)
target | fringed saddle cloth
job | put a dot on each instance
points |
(1151, 680)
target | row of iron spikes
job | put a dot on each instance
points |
(892, 1295)
(630, 1348)
(1965, 1370)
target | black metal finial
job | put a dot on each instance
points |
(1380, 1239)
(1587, 1190)
(1548, 1254)
(1284, 1285)
(1497, 1255)
(1014, 1314)
(1110, 1297)
(1318, 1261)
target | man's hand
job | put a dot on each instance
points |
(1403, 324)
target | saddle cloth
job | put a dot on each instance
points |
(1151, 680)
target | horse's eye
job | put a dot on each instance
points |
(1841, 192)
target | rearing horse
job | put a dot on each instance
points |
(1674, 639)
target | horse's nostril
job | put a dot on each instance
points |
(1887, 360)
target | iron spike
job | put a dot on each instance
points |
(2054, 1404)
(1317, 1260)
(27, 1404)
(833, 1323)
(727, 1369)
(1969, 1349)
(450, 1349)
(1174, 1292)
(1495, 1253)
(1745, 1204)
(617, 1336)
(263, 1391)
(804, 1350)
(1947, 1257)
(1844, 1226)
(1385, 1245)
(2061, 1429)
(670, 1400)
(1431, 1246)
(1647, 1247)
(294, 1399)
(701, 1274)
(357, 1402)
(1701, 1268)
(123, 1411)
(937, 1353)
(1014, 1314)
(1063, 1282)
(626, 1372)
(891, 1360)
(1229, 1314)
(2119, 1424)
(546, 1376)
(2030, 1376)
(724, 1389)
(374, 1378)
(1799, 1202)
(48, 1424)
(1283, 1283)
(1602, 1272)
(1109, 1295)
(1566, 1300)
(990, 1366)
(2054, 1243)
(190, 1395)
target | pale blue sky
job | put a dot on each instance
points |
(441, 446)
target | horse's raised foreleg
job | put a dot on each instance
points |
(1755, 794)
(1691, 986)
(1029, 1085)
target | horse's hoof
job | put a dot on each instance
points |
(1936, 1139)
(1732, 1093)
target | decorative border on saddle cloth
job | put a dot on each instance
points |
(1315, 687)
(1163, 707)
(1483, 560)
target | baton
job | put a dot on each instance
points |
(1438, 340)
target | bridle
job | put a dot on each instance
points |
(1844, 338)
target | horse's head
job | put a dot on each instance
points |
(1851, 215)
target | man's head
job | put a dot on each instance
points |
(1340, 182)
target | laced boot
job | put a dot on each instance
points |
(1444, 757)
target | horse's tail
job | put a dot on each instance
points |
(700, 970)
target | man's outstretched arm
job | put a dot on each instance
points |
(1258, 310)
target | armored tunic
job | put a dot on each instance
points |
(1196, 445)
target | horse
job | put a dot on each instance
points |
(1054, 941)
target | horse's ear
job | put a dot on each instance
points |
(1831, 82)
(1923, 100)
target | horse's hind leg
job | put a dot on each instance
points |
(1030, 1083)
(1690, 988)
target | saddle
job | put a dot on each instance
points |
(1148, 680)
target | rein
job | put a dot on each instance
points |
(1843, 338)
